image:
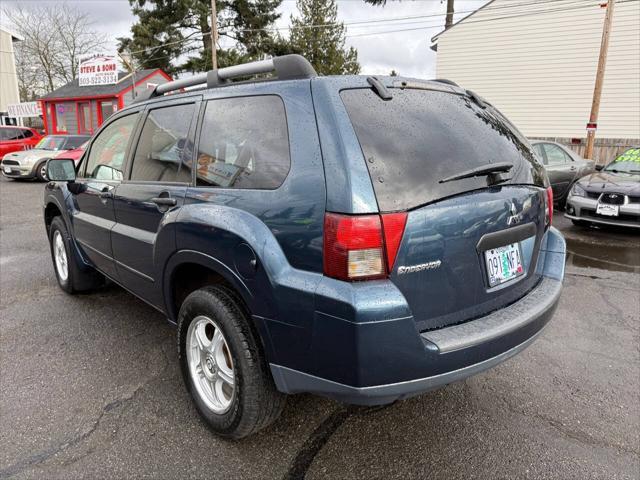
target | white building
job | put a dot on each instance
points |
(8, 78)
(537, 63)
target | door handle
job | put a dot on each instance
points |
(164, 201)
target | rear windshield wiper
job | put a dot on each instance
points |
(491, 170)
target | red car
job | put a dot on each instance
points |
(14, 139)
(74, 154)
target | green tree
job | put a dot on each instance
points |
(318, 36)
(171, 29)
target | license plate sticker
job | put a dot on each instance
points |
(503, 264)
(608, 210)
(7, 169)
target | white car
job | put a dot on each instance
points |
(32, 163)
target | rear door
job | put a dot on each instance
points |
(158, 177)
(101, 172)
(468, 247)
(560, 167)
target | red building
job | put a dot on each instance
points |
(74, 109)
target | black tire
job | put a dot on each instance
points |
(255, 403)
(581, 223)
(79, 277)
(41, 175)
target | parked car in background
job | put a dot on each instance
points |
(32, 163)
(610, 196)
(75, 154)
(563, 166)
(363, 238)
(15, 139)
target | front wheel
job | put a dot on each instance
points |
(71, 276)
(222, 364)
(41, 172)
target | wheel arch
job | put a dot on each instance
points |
(202, 270)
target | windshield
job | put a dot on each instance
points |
(421, 137)
(628, 162)
(75, 142)
(51, 143)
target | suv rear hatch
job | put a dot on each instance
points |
(470, 244)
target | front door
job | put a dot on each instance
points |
(100, 173)
(158, 179)
(84, 118)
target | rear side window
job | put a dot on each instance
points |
(420, 137)
(244, 143)
(163, 153)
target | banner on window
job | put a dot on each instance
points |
(97, 69)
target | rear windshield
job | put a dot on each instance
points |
(420, 137)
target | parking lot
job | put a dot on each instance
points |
(90, 384)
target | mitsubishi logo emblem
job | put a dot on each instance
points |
(515, 217)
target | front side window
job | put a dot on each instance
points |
(27, 133)
(108, 150)
(163, 153)
(555, 155)
(244, 143)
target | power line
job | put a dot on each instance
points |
(362, 23)
(531, 13)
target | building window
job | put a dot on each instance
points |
(58, 111)
(108, 108)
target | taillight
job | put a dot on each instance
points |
(549, 213)
(361, 247)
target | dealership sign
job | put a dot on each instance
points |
(97, 69)
(22, 110)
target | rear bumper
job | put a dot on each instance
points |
(584, 208)
(386, 360)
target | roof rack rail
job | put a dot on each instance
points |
(286, 67)
(447, 81)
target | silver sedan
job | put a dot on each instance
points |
(563, 166)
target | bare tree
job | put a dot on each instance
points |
(54, 38)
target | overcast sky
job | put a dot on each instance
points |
(407, 52)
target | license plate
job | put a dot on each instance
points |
(7, 169)
(503, 264)
(608, 210)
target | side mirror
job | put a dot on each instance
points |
(599, 167)
(61, 170)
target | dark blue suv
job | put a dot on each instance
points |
(357, 237)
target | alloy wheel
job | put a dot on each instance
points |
(60, 256)
(210, 364)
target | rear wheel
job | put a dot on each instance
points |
(222, 364)
(71, 277)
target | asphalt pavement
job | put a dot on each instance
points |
(90, 387)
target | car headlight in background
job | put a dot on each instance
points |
(578, 191)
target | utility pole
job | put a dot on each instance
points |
(448, 22)
(597, 90)
(214, 34)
